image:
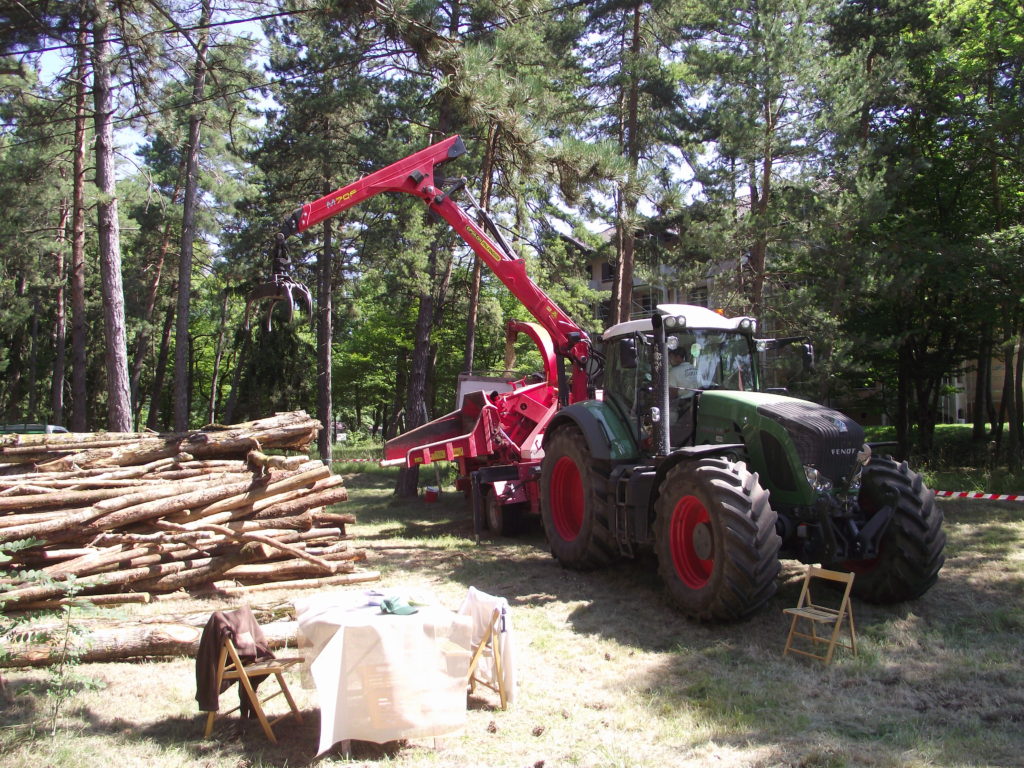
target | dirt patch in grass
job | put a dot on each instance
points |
(610, 675)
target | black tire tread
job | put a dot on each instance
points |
(747, 567)
(596, 547)
(912, 547)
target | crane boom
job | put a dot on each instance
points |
(416, 175)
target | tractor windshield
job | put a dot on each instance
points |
(713, 359)
(697, 360)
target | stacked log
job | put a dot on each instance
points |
(42, 644)
(114, 515)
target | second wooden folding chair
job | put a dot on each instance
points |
(492, 663)
(831, 612)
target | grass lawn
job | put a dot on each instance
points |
(609, 674)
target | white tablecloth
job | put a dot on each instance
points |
(382, 677)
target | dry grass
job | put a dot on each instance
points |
(610, 676)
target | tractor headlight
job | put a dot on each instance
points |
(816, 480)
(748, 324)
(675, 321)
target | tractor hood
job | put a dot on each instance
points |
(783, 436)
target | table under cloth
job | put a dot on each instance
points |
(382, 677)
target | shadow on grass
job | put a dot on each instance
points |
(21, 714)
(244, 738)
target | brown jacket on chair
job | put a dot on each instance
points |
(241, 628)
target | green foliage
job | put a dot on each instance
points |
(848, 171)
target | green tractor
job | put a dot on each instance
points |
(686, 454)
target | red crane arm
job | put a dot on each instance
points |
(415, 175)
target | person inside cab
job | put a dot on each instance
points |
(683, 379)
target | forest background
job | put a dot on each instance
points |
(849, 171)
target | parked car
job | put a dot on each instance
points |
(30, 429)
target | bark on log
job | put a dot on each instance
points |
(133, 641)
(272, 486)
(165, 511)
(329, 581)
(160, 507)
(201, 574)
(324, 498)
(71, 524)
(270, 505)
(105, 580)
(292, 569)
(271, 542)
(49, 499)
(281, 431)
(97, 600)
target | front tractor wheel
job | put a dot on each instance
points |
(910, 553)
(573, 503)
(718, 552)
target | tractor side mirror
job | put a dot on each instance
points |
(808, 356)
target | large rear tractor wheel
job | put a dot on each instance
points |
(574, 503)
(718, 552)
(910, 553)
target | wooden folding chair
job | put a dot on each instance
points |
(807, 609)
(490, 644)
(231, 667)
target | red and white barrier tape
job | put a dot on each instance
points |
(989, 496)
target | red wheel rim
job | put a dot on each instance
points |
(566, 497)
(688, 515)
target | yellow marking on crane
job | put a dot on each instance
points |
(340, 198)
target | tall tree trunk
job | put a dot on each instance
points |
(78, 421)
(33, 358)
(486, 174)
(218, 358)
(903, 389)
(142, 338)
(119, 415)
(631, 147)
(982, 383)
(60, 319)
(1007, 407)
(1015, 444)
(241, 360)
(182, 345)
(156, 392)
(13, 380)
(415, 402)
(759, 210)
(324, 336)
(393, 422)
(626, 201)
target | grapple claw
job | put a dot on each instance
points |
(279, 289)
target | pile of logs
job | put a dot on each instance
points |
(120, 517)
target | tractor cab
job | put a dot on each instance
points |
(657, 368)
